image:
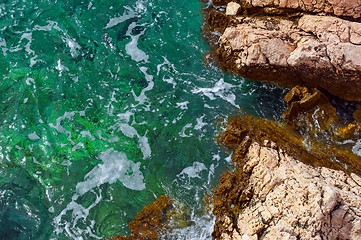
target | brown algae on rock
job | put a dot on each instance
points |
(272, 195)
(292, 179)
(308, 149)
(151, 222)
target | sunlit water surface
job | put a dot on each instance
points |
(106, 105)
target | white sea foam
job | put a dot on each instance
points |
(3, 46)
(167, 66)
(67, 116)
(221, 89)
(128, 130)
(210, 173)
(356, 149)
(115, 166)
(140, 8)
(128, 14)
(73, 45)
(28, 36)
(87, 134)
(125, 117)
(142, 97)
(77, 146)
(33, 136)
(132, 47)
(229, 158)
(58, 126)
(90, 5)
(170, 80)
(144, 146)
(193, 171)
(201, 228)
(200, 124)
(182, 133)
(182, 105)
(79, 214)
(48, 27)
(30, 81)
(60, 67)
(33, 60)
(131, 132)
(66, 38)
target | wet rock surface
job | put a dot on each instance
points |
(151, 222)
(309, 147)
(300, 178)
(311, 113)
(297, 179)
(293, 48)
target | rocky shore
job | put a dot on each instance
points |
(299, 178)
(271, 195)
(282, 190)
(285, 43)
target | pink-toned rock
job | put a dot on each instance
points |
(288, 199)
(341, 8)
(317, 51)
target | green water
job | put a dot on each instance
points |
(104, 106)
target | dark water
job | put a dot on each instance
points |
(106, 105)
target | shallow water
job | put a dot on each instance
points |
(106, 105)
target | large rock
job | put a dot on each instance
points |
(317, 51)
(299, 179)
(294, 180)
(282, 188)
(271, 195)
(342, 8)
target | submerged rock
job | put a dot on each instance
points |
(311, 113)
(151, 222)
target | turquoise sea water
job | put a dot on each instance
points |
(106, 105)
